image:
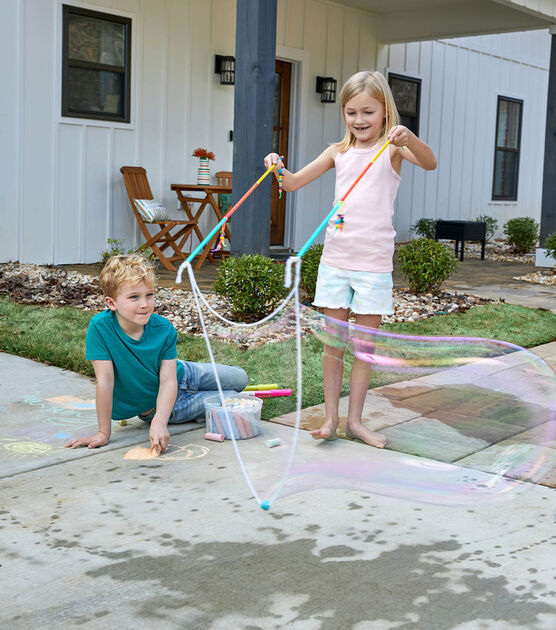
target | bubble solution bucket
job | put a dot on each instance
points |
(244, 414)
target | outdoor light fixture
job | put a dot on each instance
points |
(326, 87)
(225, 66)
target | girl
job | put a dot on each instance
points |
(355, 273)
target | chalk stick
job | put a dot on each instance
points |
(272, 442)
(269, 393)
(252, 388)
(215, 437)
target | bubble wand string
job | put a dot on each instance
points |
(227, 216)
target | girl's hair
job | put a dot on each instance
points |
(132, 268)
(376, 85)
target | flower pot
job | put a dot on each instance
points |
(203, 174)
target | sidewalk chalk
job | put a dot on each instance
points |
(215, 437)
(268, 393)
(252, 388)
(272, 442)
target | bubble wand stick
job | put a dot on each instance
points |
(227, 216)
(339, 205)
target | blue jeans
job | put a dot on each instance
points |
(198, 384)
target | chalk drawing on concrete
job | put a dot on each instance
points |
(173, 452)
(23, 447)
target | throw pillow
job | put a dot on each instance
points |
(151, 210)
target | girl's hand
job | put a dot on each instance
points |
(399, 135)
(270, 159)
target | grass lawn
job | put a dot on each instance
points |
(56, 336)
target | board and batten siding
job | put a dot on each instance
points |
(62, 194)
(461, 81)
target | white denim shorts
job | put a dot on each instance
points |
(363, 292)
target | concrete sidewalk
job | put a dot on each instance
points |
(90, 539)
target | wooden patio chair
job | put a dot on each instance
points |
(137, 186)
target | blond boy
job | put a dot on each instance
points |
(134, 356)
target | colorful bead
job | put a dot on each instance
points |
(339, 223)
(280, 177)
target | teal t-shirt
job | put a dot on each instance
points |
(136, 362)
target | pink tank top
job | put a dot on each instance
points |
(366, 242)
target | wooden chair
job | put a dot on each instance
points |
(137, 186)
(224, 178)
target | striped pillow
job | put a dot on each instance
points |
(151, 210)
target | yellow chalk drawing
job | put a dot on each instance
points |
(175, 453)
(26, 448)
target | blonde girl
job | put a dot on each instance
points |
(355, 273)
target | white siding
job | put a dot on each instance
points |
(61, 192)
(461, 81)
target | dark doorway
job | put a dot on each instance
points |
(281, 121)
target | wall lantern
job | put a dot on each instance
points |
(225, 66)
(326, 87)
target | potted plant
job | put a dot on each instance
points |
(203, 172)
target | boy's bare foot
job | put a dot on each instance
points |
(361, 432)
(326, 432)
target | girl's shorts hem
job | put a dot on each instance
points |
(362, 292)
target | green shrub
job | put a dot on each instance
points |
(425, 228)
(550, 245)
(252, 285)
(491, 225)
(522, 234)
(426, 264)
(309, 270)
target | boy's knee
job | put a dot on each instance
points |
(242, 379)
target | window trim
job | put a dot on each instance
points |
(418, 82)
(511, 99)
(125, 70)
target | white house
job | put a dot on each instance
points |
(480, 69)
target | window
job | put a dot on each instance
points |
(407, 96)
(95, 65)
(507, 147)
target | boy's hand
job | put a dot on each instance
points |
(91, 441)
(159, 436)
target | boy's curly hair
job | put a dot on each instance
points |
(132, 268)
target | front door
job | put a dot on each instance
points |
(281, 119)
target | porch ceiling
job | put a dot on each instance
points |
(412, 20)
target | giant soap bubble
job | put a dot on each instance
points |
(467, 420)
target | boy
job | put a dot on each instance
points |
(134, 356)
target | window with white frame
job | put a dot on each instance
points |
(96, 65)
(507, 148)
(407, 96)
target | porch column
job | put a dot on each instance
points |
(548, 207)
(253, 107)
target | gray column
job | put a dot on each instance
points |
(548, 207)
(253, 107)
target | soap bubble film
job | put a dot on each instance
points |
(467, 419)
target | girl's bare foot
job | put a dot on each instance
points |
(361, 432)
(326, 432)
